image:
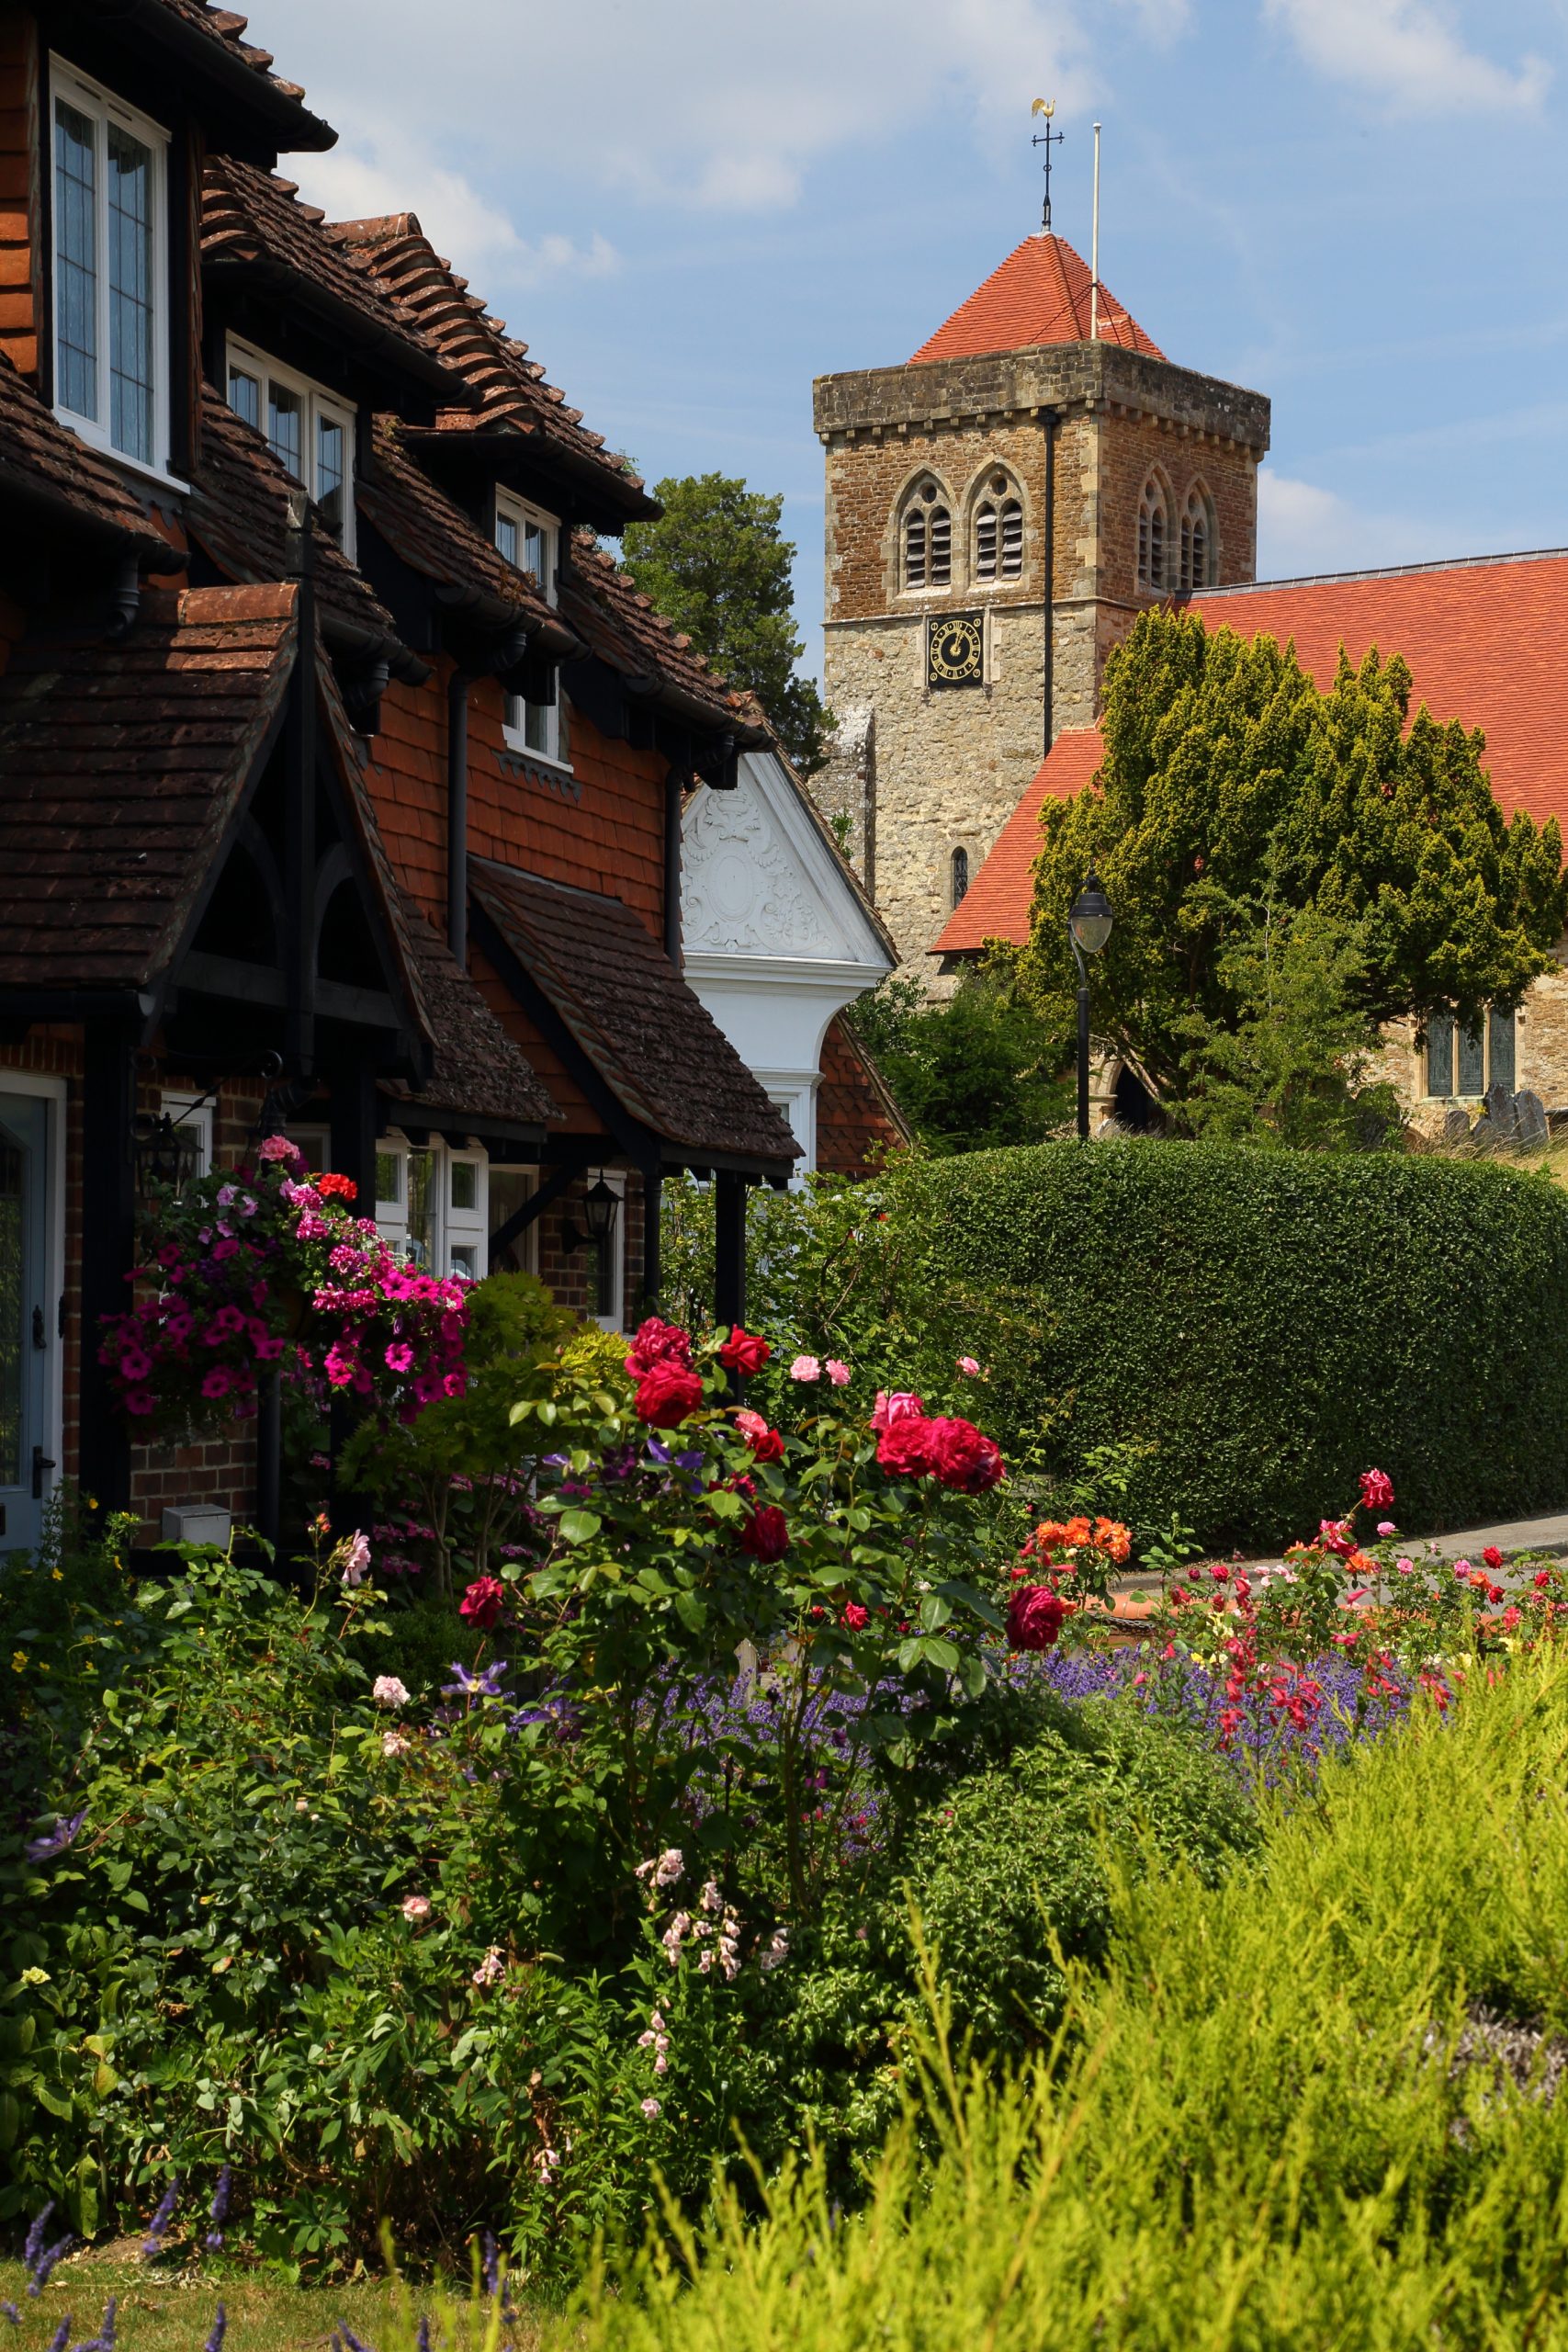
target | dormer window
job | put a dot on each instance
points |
(928, 540)
(111, 280)
(529, 539)
(308, 430)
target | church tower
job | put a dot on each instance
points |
(1000, 510)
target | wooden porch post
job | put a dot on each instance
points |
(729, 1253)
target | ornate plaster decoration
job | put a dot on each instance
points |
(743, 886)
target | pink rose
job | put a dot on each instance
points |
(805, 1368)
(839, 1373)
(413, 1906)
(902, 1405)
(766, 1444)
(968, 1367)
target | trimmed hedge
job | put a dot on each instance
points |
(1269, 1323)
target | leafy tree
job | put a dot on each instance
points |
(716, 567)
(978, 1071)
(1230, 782)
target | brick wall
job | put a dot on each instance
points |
(19, 194)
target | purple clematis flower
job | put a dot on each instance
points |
(66, 1829)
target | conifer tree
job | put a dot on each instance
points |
(1233, 793)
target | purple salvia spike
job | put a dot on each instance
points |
(34, 2246)
(61, 2335)
(422, 2336)
(220, 2329)
(47, 2261)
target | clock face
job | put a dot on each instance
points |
(955, 649)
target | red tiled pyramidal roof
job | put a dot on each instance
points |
(996, 905)
(1482, 637)
(1040, 294)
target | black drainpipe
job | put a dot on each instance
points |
(458, 688)
(674, 800)
(1053, 417)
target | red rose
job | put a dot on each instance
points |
(766, 1444)
(744, 1352)
(1377, 1490)
(765, 1534)
(1492, 1557)
(904, 1449)
(667, 1393)
(658, 1342)
(1035, 1617)
(854, 1616)
(483, 1602)
(1333, 1534)
(962, 1456)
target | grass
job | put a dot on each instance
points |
(168, 2310)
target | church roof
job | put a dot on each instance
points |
(1040, 294)
(1482, 637)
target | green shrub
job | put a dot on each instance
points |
(1274, 2127)
(1250, 1329)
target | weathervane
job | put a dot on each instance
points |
(1046, 138)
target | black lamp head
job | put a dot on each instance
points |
(1091, 918)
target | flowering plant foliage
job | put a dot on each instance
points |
(264, 1266)
(682, 1527)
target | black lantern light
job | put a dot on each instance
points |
(167, 1154)
(1089, 923)
(600, 1208)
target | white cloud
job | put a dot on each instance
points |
(1409, 53)
(353, 183)
(1304, 528)
(719, 104)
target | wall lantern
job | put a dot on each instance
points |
(167, 1155)
(1089, 922)
(600, 1209)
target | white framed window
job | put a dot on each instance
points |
(192, 1114)
(308, 430)
(529, 539)
(431, 1204)
(111, 300)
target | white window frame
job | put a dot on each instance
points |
(54, 1092)
(102, 106)
(316, 401)
(520, 514)
(194, 1113)
(453, 1229)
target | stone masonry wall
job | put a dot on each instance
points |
(921, 772)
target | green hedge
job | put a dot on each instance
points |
(1268, 1323)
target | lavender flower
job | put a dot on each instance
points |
(422, 2334)
(218, 2213)
(46, 2261)
(61, 2335)
(157, 2228)
(106, 2333)
(64, 1833)
(34, 2246)
(492, 2263)
(350, 2339)
(9, 2311)
(220, 2330)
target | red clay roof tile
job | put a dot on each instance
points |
(39, 453)
(1040, 294)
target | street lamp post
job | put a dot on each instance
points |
(1088, 928)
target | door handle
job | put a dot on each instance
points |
(41, 1462)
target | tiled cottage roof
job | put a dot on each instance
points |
(656, 1046)
(996, 903)
(477, 1070)
(223, 29)
(510, 388)
(39, 458)
(1482, 637)
(1040, 294)
(238, 515)
(252, 221)
(431, 534)
(627, 630)
(123, 764)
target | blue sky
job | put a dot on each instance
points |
(690, 207)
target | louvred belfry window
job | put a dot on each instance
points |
(928, 541)
(1012, 538)
(1152, 537)
(998, 533)
(1196, 542)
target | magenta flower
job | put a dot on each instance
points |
(399, 1356)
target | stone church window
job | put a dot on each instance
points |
(960, 875)
(1468, 1061)
(1153, 537)
(1197, 543)
(928, 541)
(998, 534)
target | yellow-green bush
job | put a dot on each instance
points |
(1256, 2132)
